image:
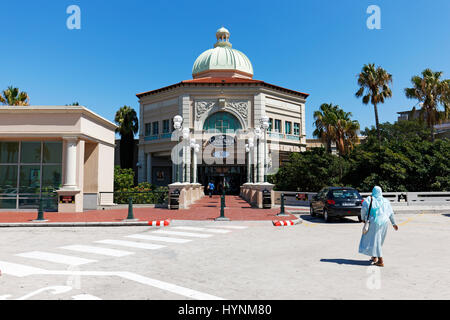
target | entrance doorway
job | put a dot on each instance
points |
(230, 177)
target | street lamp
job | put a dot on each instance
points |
(177, 122)
(196, 148)
(248, 148)
(265, 125)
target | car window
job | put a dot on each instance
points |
(345, 194)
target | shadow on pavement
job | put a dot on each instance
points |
(319, 219)
(446, 214)
(348, 261)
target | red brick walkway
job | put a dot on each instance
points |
(205, 209)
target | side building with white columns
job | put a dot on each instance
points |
(63, 155)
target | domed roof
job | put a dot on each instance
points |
(222, 58)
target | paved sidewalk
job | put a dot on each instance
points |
(205, 209)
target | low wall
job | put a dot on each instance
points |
(189, 193)
(396, 198)
(253, 193)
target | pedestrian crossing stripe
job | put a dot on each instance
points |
(202, 229)
(187, 234)
(132, 244)
(156, 238)
(57, 258)
(97, 250)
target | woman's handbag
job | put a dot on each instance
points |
(366, 224)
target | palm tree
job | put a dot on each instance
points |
(335, 125)
(431, 91)
(324, 122)
(13, 97)
(346, 132)
(127, 122)
(374, 88)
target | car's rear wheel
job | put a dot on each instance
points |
(311, 211)
(326, 216)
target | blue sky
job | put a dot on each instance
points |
(127, 47)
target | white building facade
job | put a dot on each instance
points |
(222, 110)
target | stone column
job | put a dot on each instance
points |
(149, 167)
(70, 182)
(194, 167)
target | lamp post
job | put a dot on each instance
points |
(257, 132)
(196, 148)
(177, 122)
(186, 135)
(265, 125)
(249, 149)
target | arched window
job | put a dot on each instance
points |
(222, 122)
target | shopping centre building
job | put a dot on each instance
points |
(62, 155)
(222, 111)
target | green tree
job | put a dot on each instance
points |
(308, 171)
(127, 122)
(335, 125)
(14, 97)
(374, 88)
(431, 91)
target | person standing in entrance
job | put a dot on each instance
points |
(210, 188)
(378, 217)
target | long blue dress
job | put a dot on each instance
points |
(381, 213)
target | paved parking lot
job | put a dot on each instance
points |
(220, 260)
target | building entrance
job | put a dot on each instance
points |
(230, 177)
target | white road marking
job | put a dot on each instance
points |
(85, 297)
(229, 227)
(98, 250)
(52, 289)
(156, 238)
(202, 229)
(57, 258)
(132, 244)
(187, 234)
(18, 270)
(23, 270)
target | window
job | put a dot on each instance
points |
(288, 127)
(221, 122)
(166, 126)
(277, 125)
(296, 128)
(148, 128)
(270, 124)
(30, 170)
(155, 128)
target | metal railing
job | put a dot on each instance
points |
(15, 201)
(137, 197)
(399, 198)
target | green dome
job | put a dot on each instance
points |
(222, 57)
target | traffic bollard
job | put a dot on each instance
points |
(282, 212)
(222, 210)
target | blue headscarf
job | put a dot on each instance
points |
(379, 211)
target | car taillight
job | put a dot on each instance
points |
(331, 202)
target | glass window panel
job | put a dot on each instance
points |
(296, 128)
(29, 202)
(166, 126)
(31, 152)
(51, 178)
(6, 203)
(29, 179)
(52, 152)
(148, 127)
(155, 128)
(221, 122)
(8, 179)
(9, 152)
(277, 125)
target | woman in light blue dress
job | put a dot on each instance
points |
(380, 214)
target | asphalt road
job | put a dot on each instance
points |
(312, 260)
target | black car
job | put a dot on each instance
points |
(336, 202)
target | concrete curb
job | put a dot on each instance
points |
(74, 224)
